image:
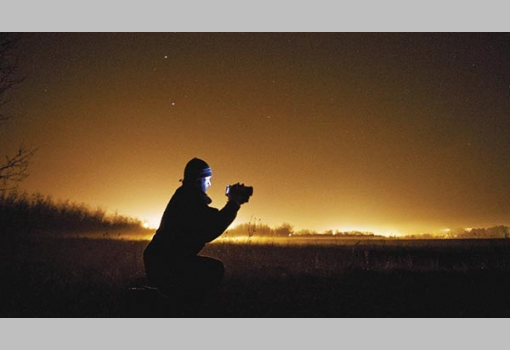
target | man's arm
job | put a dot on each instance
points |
(215, 221)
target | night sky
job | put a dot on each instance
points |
(382, 132)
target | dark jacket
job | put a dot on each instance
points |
(188, 223)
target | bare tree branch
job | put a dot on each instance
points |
(8, 68)
(14, 168)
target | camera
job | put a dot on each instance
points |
(240, 190)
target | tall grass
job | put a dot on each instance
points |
(24, 214)
(56, 277)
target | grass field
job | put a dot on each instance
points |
(66, 277)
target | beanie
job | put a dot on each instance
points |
(196, 168)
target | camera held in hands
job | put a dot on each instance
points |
(240, 191)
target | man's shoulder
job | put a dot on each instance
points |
(185, 191)
(190, 195)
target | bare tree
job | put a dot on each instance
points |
(13, 168)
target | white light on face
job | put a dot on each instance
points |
(205, 183)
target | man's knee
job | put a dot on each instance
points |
(211, 270)
(217, 268)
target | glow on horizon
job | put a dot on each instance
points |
(151, 222)
(377, 230)
(368, 229)
(380, 231)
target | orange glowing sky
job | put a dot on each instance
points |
(390, 133)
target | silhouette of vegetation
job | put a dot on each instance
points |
(256, 229)
(14, 168)
(22, 214)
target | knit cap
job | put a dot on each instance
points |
(196, 168)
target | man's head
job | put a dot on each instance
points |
(199, 173)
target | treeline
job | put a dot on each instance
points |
(258, 229)
(22, 213)
(498, 232)
(491, 232)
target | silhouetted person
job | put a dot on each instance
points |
(171, 259)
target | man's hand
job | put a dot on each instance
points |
(239, 199)
(239, 193)
(237, 196)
